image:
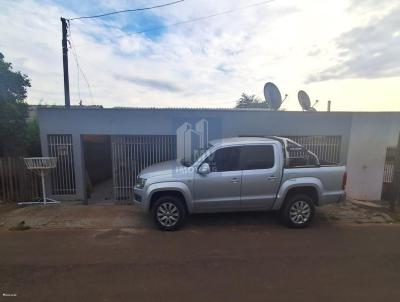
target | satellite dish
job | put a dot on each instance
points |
(304, 100)
(272, 95)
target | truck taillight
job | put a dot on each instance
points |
(344, 181)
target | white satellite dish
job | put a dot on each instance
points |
(272, 95)
(304, 100)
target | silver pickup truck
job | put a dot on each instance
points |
(241, 174)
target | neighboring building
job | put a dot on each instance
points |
(108, 147)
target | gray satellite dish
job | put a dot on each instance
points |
(304, 100)
(272, 95)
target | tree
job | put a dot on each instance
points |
(32, 138)
(251, 101)
(13, 109)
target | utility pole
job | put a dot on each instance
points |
(64, 26)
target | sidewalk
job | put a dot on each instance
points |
(76, 215)
(360, 212)
(70, 215)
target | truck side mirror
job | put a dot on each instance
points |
(204, 169)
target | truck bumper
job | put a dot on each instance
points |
(333, 198)
(139, 198)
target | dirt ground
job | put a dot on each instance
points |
(351, 252)
(223, 257)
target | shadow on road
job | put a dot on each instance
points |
(233, 219)
(242, 219)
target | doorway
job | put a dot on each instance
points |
(98, 168)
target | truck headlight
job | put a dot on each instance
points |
(140, 182)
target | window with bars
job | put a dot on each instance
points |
(327, 148)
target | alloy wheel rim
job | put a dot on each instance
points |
(300, 212)
(167, 214)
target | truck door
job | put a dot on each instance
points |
(260, 176)
(219, 189)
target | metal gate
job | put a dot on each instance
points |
(63, 176)
(131, 154)
(388, 192)
(326, 148)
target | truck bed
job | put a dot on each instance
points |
(330, 178)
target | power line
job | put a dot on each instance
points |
(79, 69)
(190, 21)
(126, 11)
(202, 18)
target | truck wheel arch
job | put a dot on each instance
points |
(311, 187)
(307, 190)
(176, 193)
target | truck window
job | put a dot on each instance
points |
(257, 157)
(224, 159)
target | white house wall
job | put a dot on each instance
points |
(370, 135)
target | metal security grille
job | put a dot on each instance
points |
(327, 148)
(131, 154)
(63, 176)
(389, 164)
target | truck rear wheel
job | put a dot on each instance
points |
(298, 211)
(169, 213)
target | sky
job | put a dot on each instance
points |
(346, 51)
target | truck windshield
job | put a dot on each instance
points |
(190, 158)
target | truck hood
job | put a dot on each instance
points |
(163, 168)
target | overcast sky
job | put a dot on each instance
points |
(347, 51)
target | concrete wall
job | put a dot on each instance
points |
(364, 182)
(370, 135)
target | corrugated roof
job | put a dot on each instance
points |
(153, 108)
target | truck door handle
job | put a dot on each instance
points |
(234, 180)
(271, 177)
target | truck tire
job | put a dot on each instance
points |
(169, 213)
(298, 211)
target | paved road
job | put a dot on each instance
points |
(227, 257)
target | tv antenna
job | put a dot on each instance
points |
(304, 100)
(272, 95)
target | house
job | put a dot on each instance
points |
(100, 151)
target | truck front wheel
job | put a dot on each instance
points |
(298, 211)
(169, 213)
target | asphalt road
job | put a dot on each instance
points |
(247, 257)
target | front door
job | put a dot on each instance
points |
(219, 189)
(260, 178)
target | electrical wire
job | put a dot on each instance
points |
(126, 11)
(199, 18)
(150, 29)
(79, 68)
(189, 21)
